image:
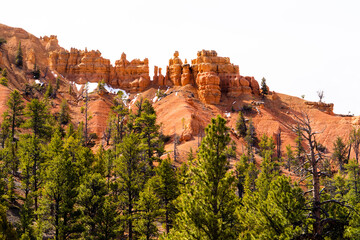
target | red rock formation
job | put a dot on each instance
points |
(186, 77)
(125, 72)
(324, 107)
(82, 66)
(175, 69)
(161, 79)
(209, 89)
(156, 77)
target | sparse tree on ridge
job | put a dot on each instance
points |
(264, 87)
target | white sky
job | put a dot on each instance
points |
(300, 47)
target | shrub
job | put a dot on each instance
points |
(4, 81)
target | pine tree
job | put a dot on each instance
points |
(148, 210)
(289, 157)
(208, 203)
(340, 153)
(5, 128)
(37, 114)
(267, 146)
(241, 125)
(131, 178)
(19, 56)
(276, 213)
(264, 87)
(64, 114)
(91, 199)
(240, 173)
(166, 187)
(148, 131)
(251, 140)
(49, 91)
(60, 190)
(16, 107)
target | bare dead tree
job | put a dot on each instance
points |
(320, 94)
(312, 169)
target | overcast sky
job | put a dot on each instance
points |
(300, 47)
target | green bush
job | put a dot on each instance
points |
(4, 81)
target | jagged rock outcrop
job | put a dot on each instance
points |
(82, 66)
(324, 107)
(51, 43)
(230, 83)
(126, 72)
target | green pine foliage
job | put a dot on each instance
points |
(4, 81)
(148, 210)
(16, 111)
(264, 87)
(241, 125)
(166, 187)
(19, 56)
(207, 205)
(340, 153)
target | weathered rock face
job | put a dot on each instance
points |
(324, 107)
(51, 43)
(82, 66)
(209, 87)
(186, 77)
(230, 83)
(161, 79)
(175, 69)
(125, 72)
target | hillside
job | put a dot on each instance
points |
(193, 93)
(56, 183)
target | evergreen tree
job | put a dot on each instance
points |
(267, 146)
(91, 199)
(148, 131)
(7, 231)
(64, 114)
(62, 181)
(19, 56)
(15, 112)
(241, 125)
(49, 91)
(36, 72)
(166, 187)
(240, 174)
(340, 153)
(207, 205)
(5, 128)
(131, 178)
(276, 213)
(251, 140)
(289, 157)
(264, 87)
(148, 210)
(37, 114)
(4, 81)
